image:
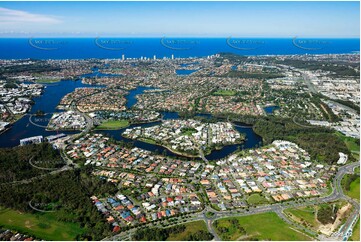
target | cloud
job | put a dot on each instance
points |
(16, 16)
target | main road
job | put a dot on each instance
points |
(278, 208)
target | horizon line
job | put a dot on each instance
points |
(185, 37)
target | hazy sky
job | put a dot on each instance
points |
(258, 19)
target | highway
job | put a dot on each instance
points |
(307, 81)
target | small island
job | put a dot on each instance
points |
(189, 138)
(40, 113)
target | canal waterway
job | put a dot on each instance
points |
(54, 92)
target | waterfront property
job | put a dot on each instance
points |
(188, 137)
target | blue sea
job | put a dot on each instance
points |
(81, 48)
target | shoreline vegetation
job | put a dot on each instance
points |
(153, 142)
(177, 152)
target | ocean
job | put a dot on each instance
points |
(82, 48)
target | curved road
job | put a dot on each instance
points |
(278, 208)
(336, 194)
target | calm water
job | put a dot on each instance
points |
(252, 140)
(52, 96)
(132, 96)
(47, 102)
(184, 72)
(270, 109)
(79, 48)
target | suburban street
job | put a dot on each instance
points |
(278, 208)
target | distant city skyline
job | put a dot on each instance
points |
(181, 19)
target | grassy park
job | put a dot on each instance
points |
(257, 199)
(351, 184)
(113, 124)
(147, 140)
(352, 144)
(265, 226)
(42, 226)
(354, 191)
(188, 131)
(356, 232)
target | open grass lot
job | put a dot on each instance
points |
(188, 131)
(354, 189)
(224, 93)
(266, 226)
(43, 226)
(191, 227)
(352, 144)
(150, 141)
(356, 232)
(113, 124)
(306, 214)
(351, 184)
(256, 199)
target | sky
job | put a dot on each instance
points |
(201, 19)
